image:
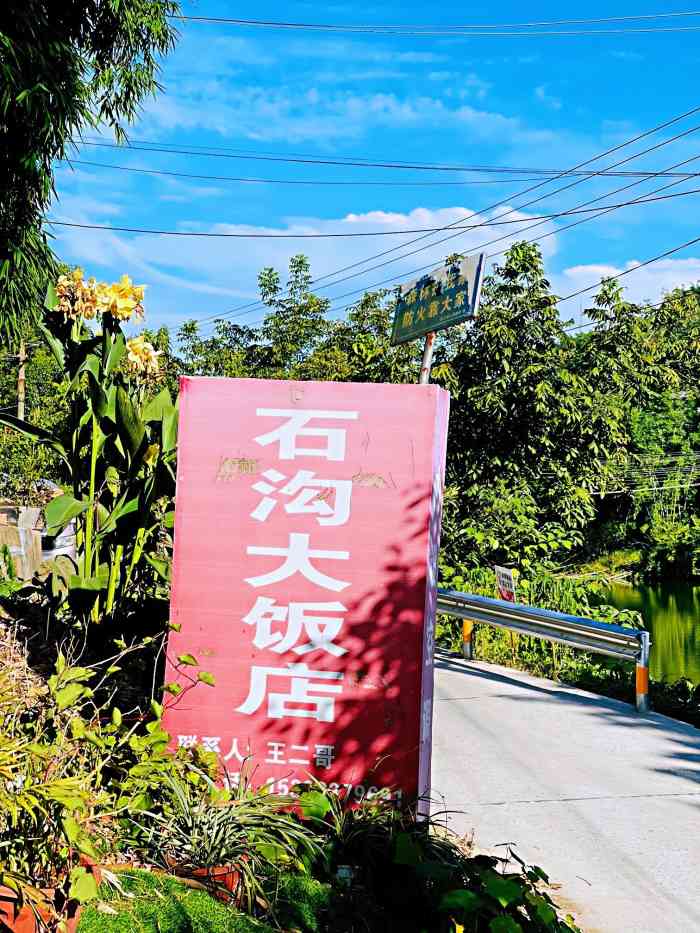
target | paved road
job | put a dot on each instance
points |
(605, 800)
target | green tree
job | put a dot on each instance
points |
(23, 466)
(297, 340)
(541, 421)
(297, 322)
(228, 351)
(538, 415)
(65, 66)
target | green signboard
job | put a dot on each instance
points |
(443, 297)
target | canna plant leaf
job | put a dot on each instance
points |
(60, 511)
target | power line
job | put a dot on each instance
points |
(309, 182)
(601, 212)
(554, 22)
(257, 303)
(242, 309)
(521, 207)
(428, 266)
(468, 31)
(558, 300)
(369, 233)
(314, 182)
(352, 161)
(221, 152)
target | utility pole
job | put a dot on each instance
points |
(21, 380)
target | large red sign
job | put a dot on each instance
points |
(306, 537)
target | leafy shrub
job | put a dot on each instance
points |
(72, 768)
(391, 873)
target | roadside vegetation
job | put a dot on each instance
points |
(102, 825)
(571, 453)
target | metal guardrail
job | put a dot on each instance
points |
(576, 632)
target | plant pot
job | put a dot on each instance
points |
(71, 923)
(21, 919)
(224, 878)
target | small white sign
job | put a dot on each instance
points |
(505, 581)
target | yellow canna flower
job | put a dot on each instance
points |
(151, 455)
(78, 298)
(142, 357)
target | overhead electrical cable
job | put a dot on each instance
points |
(314, 182)
(505, 30)
(525, 191)
(595, 285)
(351, 161)
(297, 160)
(518, 207)
(601, 211)
(307, 182)
(253, 305)
(527, 25)
(368, 233)
(581, 291)
(223, 153)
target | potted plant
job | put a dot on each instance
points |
(231, 840)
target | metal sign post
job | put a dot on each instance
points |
(428, 347)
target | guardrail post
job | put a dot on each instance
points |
(467, 639)
(642, 674)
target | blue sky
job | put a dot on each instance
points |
(524, 102)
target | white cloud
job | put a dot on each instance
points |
(367, 74)
(549, 100)
(350, 50)
(626, 56)
(442, 75)
(463, 86)
(190, 277)
(285, 113)
(648, 283)
(83, 206)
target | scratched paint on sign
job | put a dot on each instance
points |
(304, 572)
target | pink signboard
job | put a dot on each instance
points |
(306, 537)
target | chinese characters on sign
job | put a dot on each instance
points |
(505, 584)
(440, 299)
(306, 537)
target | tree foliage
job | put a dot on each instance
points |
(540, 420)
(64, 66)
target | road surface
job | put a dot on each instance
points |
(606, 801)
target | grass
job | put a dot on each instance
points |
(153, 903)
(625, 561)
